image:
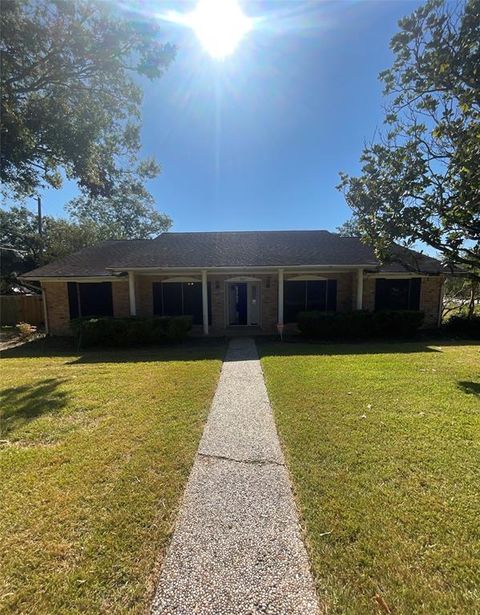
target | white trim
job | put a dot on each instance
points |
(243, 278)
(45, 310)
(205, 302)
(78, 279)
(400, 275)
(280, 296)
(181, 278)
(305, 278)
(257, 269)
(131, 293)
(359, 302)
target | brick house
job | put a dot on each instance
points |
(232, 280)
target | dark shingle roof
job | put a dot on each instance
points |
(228, 249)
(91, 261)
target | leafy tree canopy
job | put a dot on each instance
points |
(69, 100)
(349, 229)
(128, 213)
(420, 180)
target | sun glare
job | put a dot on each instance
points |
(219, 25)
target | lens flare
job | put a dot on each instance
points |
(219, 25)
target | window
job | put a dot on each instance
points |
(300, 296)
(397, 294)
(180, 299)
(90, 299)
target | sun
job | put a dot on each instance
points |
(219, 25)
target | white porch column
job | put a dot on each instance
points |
(205, 302)
(360, 289)
(45, 310)
(280, 296)
(131, 293)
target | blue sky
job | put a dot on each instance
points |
(256, 141)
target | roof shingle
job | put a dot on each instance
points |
(229, 249)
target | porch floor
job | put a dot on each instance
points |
(244, 331)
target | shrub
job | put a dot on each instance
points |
(396, 323)
(25, 329)
(359, 324)
(462, 325)
(107, 331)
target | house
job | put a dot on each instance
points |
(230, 280)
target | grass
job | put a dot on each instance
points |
(96, 451)
(383, 445)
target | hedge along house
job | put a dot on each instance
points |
(233, 281)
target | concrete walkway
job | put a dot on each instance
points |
(237, 547)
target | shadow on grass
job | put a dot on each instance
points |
(23, 404)
(301, 347)
(471, 388)
(193, 349)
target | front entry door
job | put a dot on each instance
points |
(238, 304)
(243, 303)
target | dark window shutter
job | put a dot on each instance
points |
(73, 300)
(316, 295)
(181, 299)
(332, 295)
(157, 298)
(172, 299)
(414, 299)
(294, 295)
(193, 302)
(397, 294)
(96, 298)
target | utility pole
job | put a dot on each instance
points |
(39, 209)
(40, 230)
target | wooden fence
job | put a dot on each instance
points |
(21, 308)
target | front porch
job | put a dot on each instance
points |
(246, 301)
(230, 302)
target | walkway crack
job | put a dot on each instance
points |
(261, 462)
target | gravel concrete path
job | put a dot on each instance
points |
(237, 547)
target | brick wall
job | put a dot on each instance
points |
(218, 304)
(121, 299)
(144, 293)
(369, 294)
(58, 311)
(56, 296)
(430, 292)
(269, 303)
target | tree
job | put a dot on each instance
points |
(62, 237)
(69, 100)
(349, 228)
(20, 241)
(23, 248)
(421, 180)
(461, 295)
(128, 213)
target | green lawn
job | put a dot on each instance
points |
(96, 450)
(383, 445)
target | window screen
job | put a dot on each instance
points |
(308, 295)
(397, 294)
(90, 299)
(180, 299)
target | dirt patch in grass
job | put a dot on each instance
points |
(383, 444)
(97, 450)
